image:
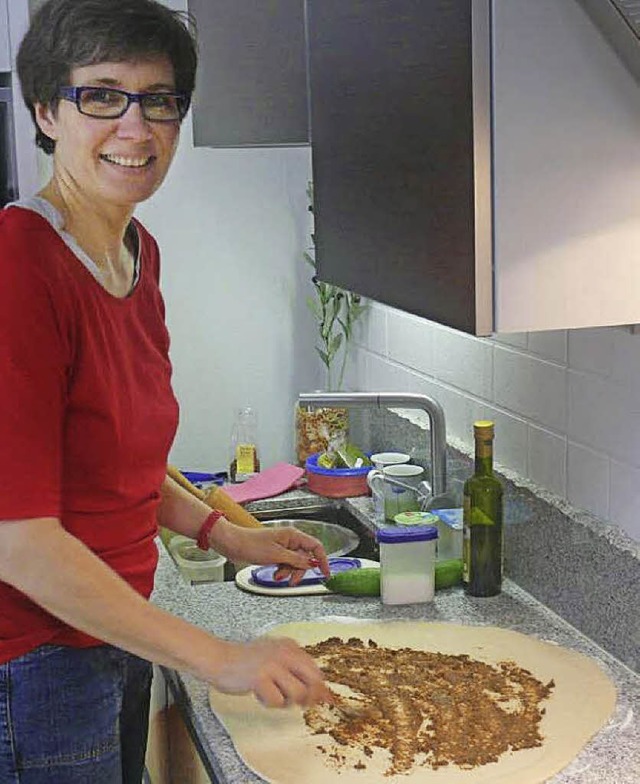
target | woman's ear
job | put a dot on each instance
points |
(46, 119)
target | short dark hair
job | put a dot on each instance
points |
(67, 34)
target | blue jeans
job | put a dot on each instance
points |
(74, 716)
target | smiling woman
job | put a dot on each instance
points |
(90, 416)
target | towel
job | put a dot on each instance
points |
(273, 481)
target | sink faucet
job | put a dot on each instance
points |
(437, 428)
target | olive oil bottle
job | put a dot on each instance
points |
(482, 520)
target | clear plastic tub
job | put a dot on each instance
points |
(194, 564)
(450, 533)
(407, 564)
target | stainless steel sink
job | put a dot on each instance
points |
(336, 539)
(324, 519)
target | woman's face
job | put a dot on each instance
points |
(121, 161)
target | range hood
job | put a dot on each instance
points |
(619, 21)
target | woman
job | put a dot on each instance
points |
(89, 416)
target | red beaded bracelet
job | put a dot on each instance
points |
(203, 534)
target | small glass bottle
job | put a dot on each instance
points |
(482, 520)
(244, 446)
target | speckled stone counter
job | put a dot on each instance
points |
(579, 566)
(613, 757)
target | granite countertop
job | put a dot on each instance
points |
(223, 609)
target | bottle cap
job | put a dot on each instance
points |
(484, 428)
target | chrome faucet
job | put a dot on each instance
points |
(437, 428)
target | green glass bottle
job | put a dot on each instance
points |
(482, 520)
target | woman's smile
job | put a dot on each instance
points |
(128, 162)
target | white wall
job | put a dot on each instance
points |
(566, 404)
(232, 226)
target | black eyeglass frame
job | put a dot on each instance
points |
(74, 94)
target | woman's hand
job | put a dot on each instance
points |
(277, 670)
(292, 550)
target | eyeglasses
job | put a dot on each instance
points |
(107, 103)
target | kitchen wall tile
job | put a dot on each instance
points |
(588, 479)
(384, 376)
(531, 387)
(626, 357)
(510, 446)
(460, 410)
(550, 345)
(547, 460)
(604, 416)
(463, 361)
(410, 341)
(624, 503)
(370, 331)
(591, 350)
(514, 339)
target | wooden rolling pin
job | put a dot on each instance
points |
(216, 498)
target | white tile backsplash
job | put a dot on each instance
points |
(605, 416)
(591, 350)
(531, 387)
(463, 361)
(371, 329)
(588, 479)
(550, 345)
(625, 497)
(410, 342)
(566, 404)
(547, 460)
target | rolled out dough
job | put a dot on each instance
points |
(277, 745)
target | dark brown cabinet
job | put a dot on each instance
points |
(393, 141)
(252, 80)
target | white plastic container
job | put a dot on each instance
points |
(407, 564)
(194, 564)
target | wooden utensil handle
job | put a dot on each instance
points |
(216, 498)
(182, 480)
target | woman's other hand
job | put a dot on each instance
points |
(292, 550)
(276, 670)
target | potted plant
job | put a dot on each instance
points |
(336, 311)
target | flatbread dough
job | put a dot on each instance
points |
(277, 745)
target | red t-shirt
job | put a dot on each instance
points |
(87, 414)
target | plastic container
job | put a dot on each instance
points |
(336, 482)
(449, 533)
(194, 564)
(407, 564)
(416, 518)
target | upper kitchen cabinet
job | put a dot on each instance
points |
(5, 50)
(476, 162)
(252, 81)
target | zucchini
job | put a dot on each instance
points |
(448, 573)
(356, 582)
(366, 581)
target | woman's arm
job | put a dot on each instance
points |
(183, 513)
(59, 573)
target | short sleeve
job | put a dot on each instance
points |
(34, 361)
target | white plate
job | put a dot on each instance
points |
(244, 581)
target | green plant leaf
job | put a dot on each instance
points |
(314, 307)
(324, 357)
(335, 344)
